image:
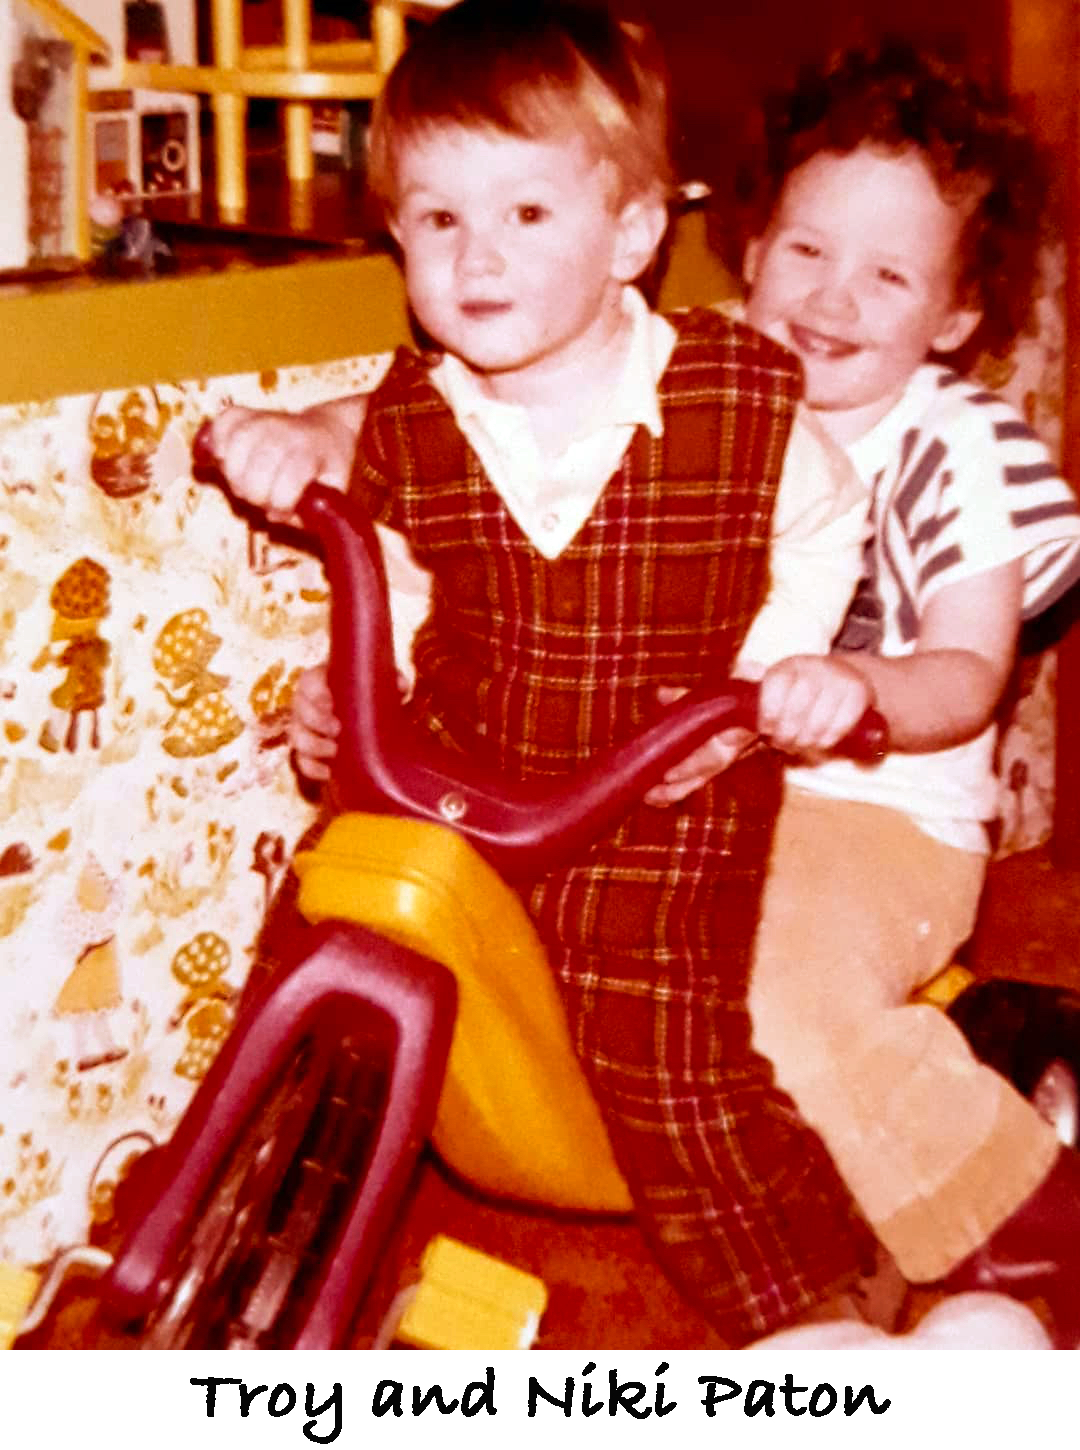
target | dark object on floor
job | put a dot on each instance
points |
(1030, 1033)
(1035, 1252)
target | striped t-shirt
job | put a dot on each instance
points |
(960, 485)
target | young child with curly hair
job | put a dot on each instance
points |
(900, 222)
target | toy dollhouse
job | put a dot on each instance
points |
(142, 141)
(72, 125)
(46, 51)
(129, 126)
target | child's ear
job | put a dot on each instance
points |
(642, 223)
(957, 328)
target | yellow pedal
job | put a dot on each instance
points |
(467, 1300)
(942, 990)
(17, 1289)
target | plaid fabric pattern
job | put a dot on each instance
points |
(539, 663)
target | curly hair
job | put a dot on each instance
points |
(902, 100)
(534, 68)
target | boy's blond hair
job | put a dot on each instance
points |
(541, 69)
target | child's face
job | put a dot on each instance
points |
(856, 274)
(515, 252)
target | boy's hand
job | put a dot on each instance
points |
(809, 702)
(269, 457)
(701, 765)
(313, 728)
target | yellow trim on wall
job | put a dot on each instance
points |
(87, 335)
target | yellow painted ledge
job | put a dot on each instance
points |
(87, 335)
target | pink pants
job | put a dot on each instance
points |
(860, 909)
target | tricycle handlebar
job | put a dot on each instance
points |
(387, 764)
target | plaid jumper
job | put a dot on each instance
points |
(539, 663)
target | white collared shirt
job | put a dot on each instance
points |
(819, 519)
(550, 498)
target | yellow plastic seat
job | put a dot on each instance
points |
(516, 1117)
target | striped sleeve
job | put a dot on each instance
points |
(977, 489)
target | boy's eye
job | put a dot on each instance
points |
(894, 279)
(439, 220)
(531, 212)
(805, 249)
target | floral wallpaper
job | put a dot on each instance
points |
(1032, 377)
(148, 646)
(149, 642)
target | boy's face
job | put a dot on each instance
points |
(514, 251)
(856, 274)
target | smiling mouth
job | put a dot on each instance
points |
(482, 309)
(820, 344)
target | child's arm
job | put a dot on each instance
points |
(939, 696)
(820, 525)
(268, 457)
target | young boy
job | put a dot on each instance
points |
(903, 216)
(607, 502)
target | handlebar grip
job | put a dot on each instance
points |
(867, 742)
(202, 455)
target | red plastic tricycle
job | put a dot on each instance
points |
(417, 1005)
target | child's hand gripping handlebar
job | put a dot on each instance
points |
(386, 764)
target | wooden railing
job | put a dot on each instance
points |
(295, 73)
